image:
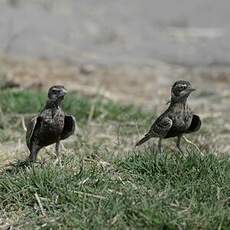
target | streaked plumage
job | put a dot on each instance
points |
(51, 125)
(177, 120)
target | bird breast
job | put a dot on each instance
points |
(52, 123)
(182, 118)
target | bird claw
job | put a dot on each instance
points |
(181, 151)
(159, 150)
(58, 161)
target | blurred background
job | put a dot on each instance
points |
(122, 31)
(130, 51)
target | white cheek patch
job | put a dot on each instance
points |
(56, 89)
(183, 85)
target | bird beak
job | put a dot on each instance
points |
(191, 89)
(63, 92)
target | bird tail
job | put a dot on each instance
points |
(143, 140)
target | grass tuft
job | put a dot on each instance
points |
(31, 102)
(141, 190)
(100, 189)
(15, 104)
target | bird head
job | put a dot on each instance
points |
(57, 93)
(181, 90)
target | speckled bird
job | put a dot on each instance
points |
(51, 125)
(177, 120)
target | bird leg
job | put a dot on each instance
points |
(32, 157)
(178, 144)
(159, 145)
(57, 153)
(33, 154)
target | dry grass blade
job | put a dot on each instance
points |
(23, 124)
(193, 144)
(40, 204)
(89, 194)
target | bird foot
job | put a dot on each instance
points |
(58, 161)
(160, 150)
(155, 150)
(180, 150)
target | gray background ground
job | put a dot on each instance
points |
(118, 31)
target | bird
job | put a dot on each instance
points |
(51, 125)
(177, 120)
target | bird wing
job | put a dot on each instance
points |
(31, 126)
(161, 127)
(195, 124)
(69, 127)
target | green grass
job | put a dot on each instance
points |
(15, 104)
(136, 190)
(139, 191)
(31, 102)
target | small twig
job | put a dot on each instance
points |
(121, 180)
(194, 145)
(84, 181)
(89, 194)
(92, 111)
(93, 107)
(115, 218)
(118, 134)
(137, 128)
(23, 124)
(40, 204)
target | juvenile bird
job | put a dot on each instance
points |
(51, 125)
(177, 120)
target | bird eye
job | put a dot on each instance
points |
(55, 90)
(182, 87)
